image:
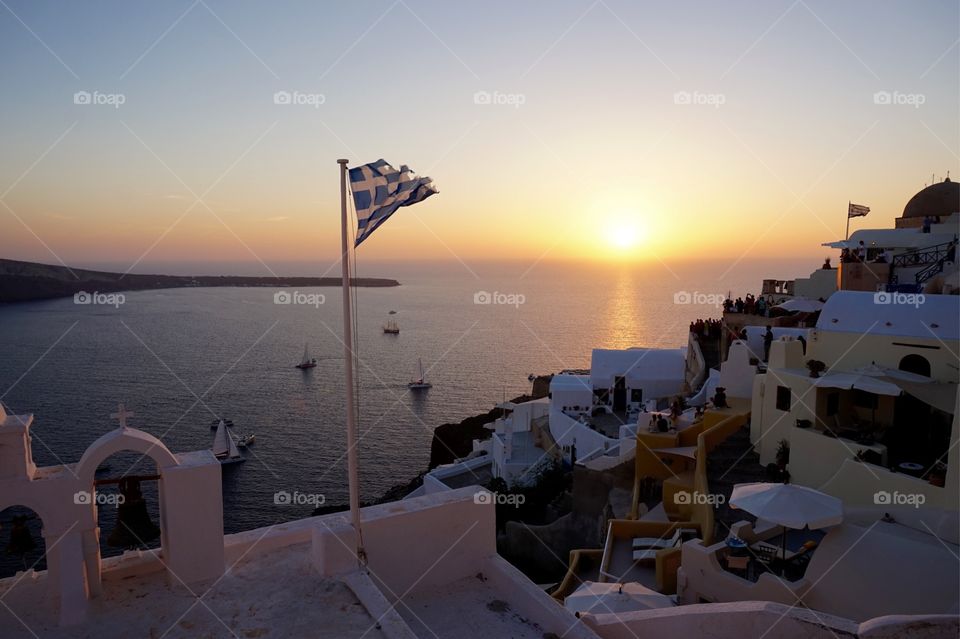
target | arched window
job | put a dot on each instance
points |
(915, 364)
(22, 545)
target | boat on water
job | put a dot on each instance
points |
(246, 440)
(391, 327)
(420, 383)
(224, 448)
(216, 422)
(307, 361)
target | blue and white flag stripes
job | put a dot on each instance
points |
(857, 210)
(379, 190)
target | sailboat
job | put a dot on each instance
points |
(224, 448)
(216, 422)
(420, 382)
(307, 361)
(391, 327)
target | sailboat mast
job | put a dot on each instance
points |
(352, 470)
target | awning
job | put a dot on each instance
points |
(866, 383)
(801, 305)
(600, 598)
(942, 396)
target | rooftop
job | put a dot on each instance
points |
(927, 317)
(942, 198)
(273, 594)
(433, 571)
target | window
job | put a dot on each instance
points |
(636, 395)
(783, 398)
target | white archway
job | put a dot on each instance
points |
(119, 440)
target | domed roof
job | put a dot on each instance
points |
(938, 199)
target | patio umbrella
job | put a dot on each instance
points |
(873, 370)
(801, 305)
(788, 505)
(859, 381)
(600, 598)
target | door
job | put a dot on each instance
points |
(619, 394)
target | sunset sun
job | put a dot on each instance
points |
(623, 232)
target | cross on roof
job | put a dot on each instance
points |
(121, 415)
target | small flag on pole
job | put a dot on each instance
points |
(379, 190)
(857, 210)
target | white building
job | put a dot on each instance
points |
(882, 417)
(517, 445)
(623, 380)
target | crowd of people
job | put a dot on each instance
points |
(859, 254)
(750, 305)
(706, 328)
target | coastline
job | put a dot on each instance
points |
(31, 281)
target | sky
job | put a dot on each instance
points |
(145, 134)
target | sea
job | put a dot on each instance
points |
(181, 358)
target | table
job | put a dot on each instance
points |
(911, 468)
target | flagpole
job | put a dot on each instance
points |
(847, 236)
(352, 470)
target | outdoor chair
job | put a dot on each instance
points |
(657, 542)
(649, 554)
(764, 553)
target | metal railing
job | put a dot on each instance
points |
(924, 256)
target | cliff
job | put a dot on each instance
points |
(26, 281)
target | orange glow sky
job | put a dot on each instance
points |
(601, 161)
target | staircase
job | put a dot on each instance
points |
(732, 462)
(931, 258)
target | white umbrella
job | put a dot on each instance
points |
(788, 505)
(600, 598)
(801, 305)
(892, 373)
(860, 381)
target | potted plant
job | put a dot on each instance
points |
(815, 367)
(783, 454)
(938, 475)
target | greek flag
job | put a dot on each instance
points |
(379, 190)
(857, 210)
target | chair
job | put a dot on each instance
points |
(649, 554)
(764, 552)
(657, 542)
